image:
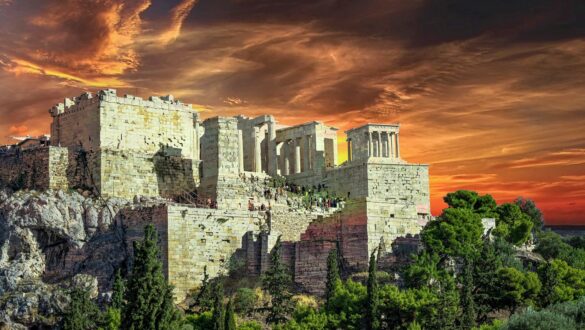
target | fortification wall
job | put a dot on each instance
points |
(127, 174)
(157, 125)
(206, 237)
(76, 123)
(398, 202)
(38, 168)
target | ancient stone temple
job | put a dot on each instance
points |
(228, 187)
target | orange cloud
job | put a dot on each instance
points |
(178, 15)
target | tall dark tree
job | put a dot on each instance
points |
(333, 277)
(230, 316)
(149, 298)
(277, 282)
(373, 297)
(548, 278)
(468, 310)
(218, 309)
(118, 291)
(83, 313)
(205, 297)
(447, 306)
(485, 279)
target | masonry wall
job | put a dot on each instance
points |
(220, 177)
(38, 168)
(206, 237)
(398, 201)
(79, 125)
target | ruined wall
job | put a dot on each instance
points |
(220, 177)
(398, 201)
(76, 123)
(126, 174)
(38, 168)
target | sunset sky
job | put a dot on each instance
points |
(490, 93)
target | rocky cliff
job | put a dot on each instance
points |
(51, 241)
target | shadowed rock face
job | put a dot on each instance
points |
(49, 242)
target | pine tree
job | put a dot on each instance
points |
(333, 276)
(372, 302)
(205, 298)
(230, 316)
(82, 313)
(277, 282)
(149, 298)
(118, 290)
(486, 281)
(218, 309)
(549, 281)
(466, 299)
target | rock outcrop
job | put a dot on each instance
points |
(51, 242)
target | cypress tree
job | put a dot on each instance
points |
(205, 298)
(149, 298)
(549, 281)
(230, 317)
(486, 281)
(218, 310)
(466, 299)
(333, 276)
(82, 313)
(277, 282)
(118, 290)
(372, 302)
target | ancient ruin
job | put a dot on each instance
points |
(227, 187)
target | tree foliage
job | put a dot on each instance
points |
(372, 300)
(512, 224)
(277, 282)
(82, 313)
(149, 298)
(333, 277)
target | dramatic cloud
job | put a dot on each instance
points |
(491, 94)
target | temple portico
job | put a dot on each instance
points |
(373, 141)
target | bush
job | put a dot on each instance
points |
(574, 310)
(250, 325)
(245, 301)
(203, 321)
(543, 320)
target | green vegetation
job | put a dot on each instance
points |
(462, 279)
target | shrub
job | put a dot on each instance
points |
(245, 301)
(203, 321)
(250, 325)
(543, 320)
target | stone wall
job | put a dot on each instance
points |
(398, 202)
(220, 176)
(38, 168)
(192, 238)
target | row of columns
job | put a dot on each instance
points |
(298, 153)
(387, 144)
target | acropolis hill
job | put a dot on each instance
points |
(215, 189)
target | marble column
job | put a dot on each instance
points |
(257, 150)
(370, 145)
(397, 145)
(306, 151)
(241, 150)
(195, 147)
(379, 144)
(388, 154)
(349, 150)
(297, 155)
(272, 155)
(392, 147)
(286, 154)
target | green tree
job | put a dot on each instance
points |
(112, 319)
(512, 224)
(517, 288)
(444, 314)
(277, 282)
(423, 271)
(245, 301)
(485, 279)
(529, 208)
(82, 313)
(333, 277)
(230, 316)
(484, 206)
(149, 298)
(468, 309)
(457, 232)
(205, 297)
(347, 306)
(118, 291)
(219, 320)
(372, 301)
